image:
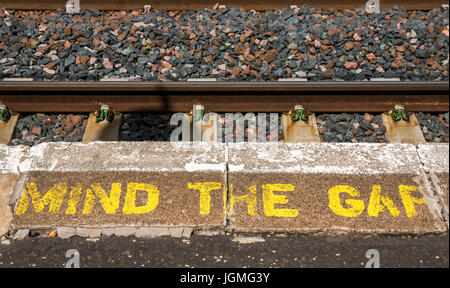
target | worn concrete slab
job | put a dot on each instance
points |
(126, 184)
(435, 162)
(333, 188)
(10, 158)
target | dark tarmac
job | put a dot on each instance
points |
(220, 251)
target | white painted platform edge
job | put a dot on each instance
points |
(315, 158)
(11, 158)
(19, 159)
(434, 157)
(124, 156)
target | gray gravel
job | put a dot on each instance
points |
(332, 127)
(146, 127)
(351, 128)
(434, 126)
(251, 129)
(156, 127)
(37, 128)
(229, 44)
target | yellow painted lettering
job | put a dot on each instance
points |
(54, 197)
(374, 207)
(109, 203)
(130, 199)
(356, 206)
(205, 196)
(271, 199)
(249, 199)
(409, 200)
(74, 197)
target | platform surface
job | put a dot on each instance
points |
(317, 187)
(246, 187)
(109, 184)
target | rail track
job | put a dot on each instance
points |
(363, 96)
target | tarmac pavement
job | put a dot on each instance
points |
(221, 251)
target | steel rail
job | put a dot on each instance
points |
(200, 4)
(349, 96)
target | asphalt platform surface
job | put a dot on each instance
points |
(220, 251)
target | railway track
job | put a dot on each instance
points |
(224, 96)
(221, 97)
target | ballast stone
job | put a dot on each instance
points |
(78, 168)
(304, 179)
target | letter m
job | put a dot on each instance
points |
(241, 279)
(53, 198)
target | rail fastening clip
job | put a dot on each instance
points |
(299, 114)
(104, 113)
(4, 113)
(400, 113)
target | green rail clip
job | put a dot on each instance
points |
(299, 115)
(196, 116)
(4, 115)
(104, 114)
(399, 114)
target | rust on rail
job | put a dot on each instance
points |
(200, 4)
(354, 96)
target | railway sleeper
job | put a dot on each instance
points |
(103, 125)
(300, 126)
(8, 122)
(402, 126)
(204, 126)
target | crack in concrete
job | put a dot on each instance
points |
(26, 156)
(431, 186)
(227, 206)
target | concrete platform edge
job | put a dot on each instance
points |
(19, 162)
